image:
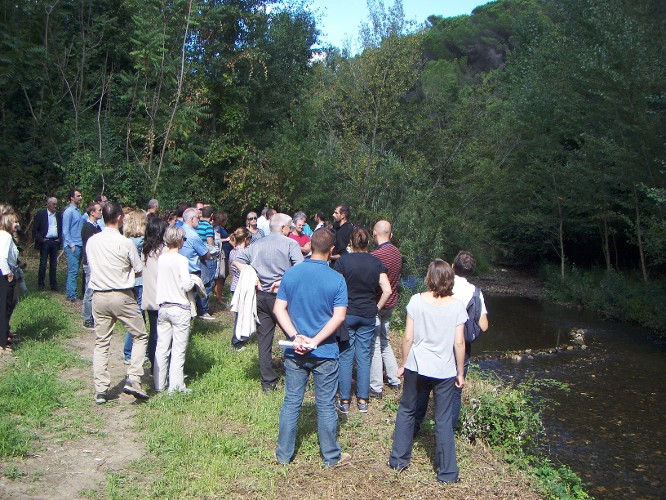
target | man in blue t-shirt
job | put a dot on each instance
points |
(311, 304)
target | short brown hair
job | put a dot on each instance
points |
(360, 238)
(322, 240)
(439, 278)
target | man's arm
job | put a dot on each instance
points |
(66, 222)
(386, 290)
(483, 322)
(282, 315)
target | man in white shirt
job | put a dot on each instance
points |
(114, 264)
(47, 234)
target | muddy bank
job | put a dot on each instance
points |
(510, 281)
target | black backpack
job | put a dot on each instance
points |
(472, 328)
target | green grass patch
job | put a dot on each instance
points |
(33, 394)
(220, 439)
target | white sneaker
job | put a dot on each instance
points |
(206, 317)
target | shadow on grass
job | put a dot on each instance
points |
(307, 424)
(40, 317)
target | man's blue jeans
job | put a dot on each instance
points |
(86, 312)
(73, 262)
(325, 376)
(361, 335)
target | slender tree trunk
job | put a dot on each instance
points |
(181, 78)
(639, 236)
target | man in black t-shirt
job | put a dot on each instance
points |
(343, 231)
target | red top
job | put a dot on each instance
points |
(302, 240)
(391, 258)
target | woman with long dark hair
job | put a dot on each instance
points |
(153, 245)
(433, 357)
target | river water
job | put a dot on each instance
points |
(610, 427)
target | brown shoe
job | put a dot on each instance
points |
(345, 459)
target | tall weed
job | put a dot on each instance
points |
(613, 294)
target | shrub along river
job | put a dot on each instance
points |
(610, 427)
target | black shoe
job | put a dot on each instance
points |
(375, 394)
(101, 398)
(269, 387)
(398, 468)
(40, 288)
(55, 288)
(449, 482)
(90, 325)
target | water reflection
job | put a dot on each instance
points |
(609, 428)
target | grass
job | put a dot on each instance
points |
(33, 395)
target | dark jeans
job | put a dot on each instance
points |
(424, 396)
(6, 308)
(403, 436)
(265, 332)
(48, 250)
(152, 336)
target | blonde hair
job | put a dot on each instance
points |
(135, 224)
(7, 217)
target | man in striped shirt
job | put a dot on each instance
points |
(390, 256)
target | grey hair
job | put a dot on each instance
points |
(189, 213)
(299, 215)
(173, 236)
(153, 203)
(278, 221)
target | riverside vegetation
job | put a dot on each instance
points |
(219, 441)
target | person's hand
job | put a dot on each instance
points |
(72, 248)
(299, 343)
(460, 381)
(274, 287)
(401, 372)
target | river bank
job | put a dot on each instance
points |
(217, 442)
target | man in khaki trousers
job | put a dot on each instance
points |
(114, 264)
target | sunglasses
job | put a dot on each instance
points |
(251, 218)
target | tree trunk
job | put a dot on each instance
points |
(639, 237)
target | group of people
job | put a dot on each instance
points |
(332, 298)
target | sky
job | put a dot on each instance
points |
(339, 20)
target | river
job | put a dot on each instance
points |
(610, 427)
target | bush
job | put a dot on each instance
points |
(508, 418)
(612, 294)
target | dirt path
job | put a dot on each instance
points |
(72, 469)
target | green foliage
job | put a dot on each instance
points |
(612, 294)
